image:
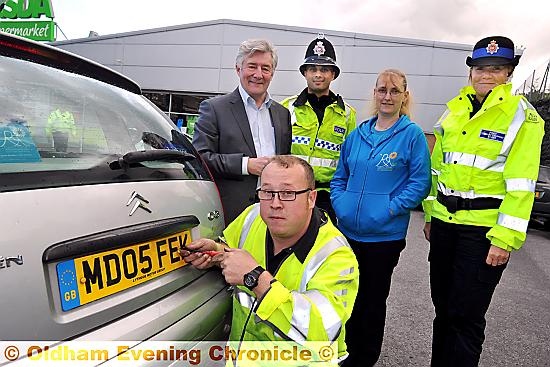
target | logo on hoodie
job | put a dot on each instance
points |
(386, 162)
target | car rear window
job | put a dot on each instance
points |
(62, 129)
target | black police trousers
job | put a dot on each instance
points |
(462, 286)
(365, 328)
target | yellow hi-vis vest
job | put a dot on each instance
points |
(494, 154)
(61, 121)
(310, 301)
(319, 144)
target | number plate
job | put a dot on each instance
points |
(89, 278)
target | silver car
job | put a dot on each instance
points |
(98, 191)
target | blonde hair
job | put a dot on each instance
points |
(397, 77)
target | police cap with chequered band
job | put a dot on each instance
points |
(496, 50)
(320, 52)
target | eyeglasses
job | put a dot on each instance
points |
(492, 69)
(394, 92)
(286, 195)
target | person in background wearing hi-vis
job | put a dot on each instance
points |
(485, 164)
(60, 124)
(383, 173)
(321, 120)
(296, 277)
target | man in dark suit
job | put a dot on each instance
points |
(236, 134)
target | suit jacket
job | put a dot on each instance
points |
(222, 136)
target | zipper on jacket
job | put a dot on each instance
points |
(372, 153)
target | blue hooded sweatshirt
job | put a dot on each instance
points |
(379, 179)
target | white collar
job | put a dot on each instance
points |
(246, 97)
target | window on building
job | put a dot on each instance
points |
(161, 100)
(181, 108)
(186, 103)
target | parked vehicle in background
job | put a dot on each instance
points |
(98, 190)
(541, 206)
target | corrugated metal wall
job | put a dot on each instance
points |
(200, 57)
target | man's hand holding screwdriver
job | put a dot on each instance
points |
(235, 263)
(202, 253)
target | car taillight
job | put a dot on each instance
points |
(26, 48)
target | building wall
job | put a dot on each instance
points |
(200, 58)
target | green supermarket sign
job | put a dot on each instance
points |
(31, 19)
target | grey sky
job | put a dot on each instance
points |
(526, 22)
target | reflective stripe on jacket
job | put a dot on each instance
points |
(319, 144)
(494, 154)
(311, 301)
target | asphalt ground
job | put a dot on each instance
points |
(518, 320)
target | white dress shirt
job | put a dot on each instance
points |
(261, 127)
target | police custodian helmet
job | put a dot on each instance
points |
(496, 50)
(320, 52)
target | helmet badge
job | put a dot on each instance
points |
(492, 47)
(319, 48)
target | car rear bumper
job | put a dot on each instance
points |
(194, 321)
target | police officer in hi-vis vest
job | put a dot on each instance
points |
(321, 120)
(485, 164)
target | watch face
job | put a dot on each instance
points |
(249, 280)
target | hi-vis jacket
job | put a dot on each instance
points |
(61, 121)
(310, 301)
(319, 144)
(494, 154)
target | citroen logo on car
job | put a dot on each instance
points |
(138, 202)
(6, 262)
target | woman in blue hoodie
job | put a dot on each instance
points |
(383, 173)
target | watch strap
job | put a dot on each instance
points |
(258, 270)
(255, 274)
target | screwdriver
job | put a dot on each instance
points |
(209, 253)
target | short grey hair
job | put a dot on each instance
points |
(248, 47)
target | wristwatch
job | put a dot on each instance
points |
(250, 279)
